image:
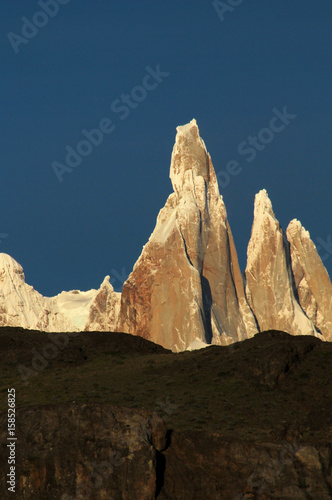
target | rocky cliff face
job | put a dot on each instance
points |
(312, 282)
(269, 278)
(98, 451)
(187, 284)
(200, 465)
(87, 451)
(21, 305)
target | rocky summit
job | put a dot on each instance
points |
(186, 289)
(187, 283)
(269, 279)
(312, 282)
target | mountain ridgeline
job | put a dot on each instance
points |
(186, 288)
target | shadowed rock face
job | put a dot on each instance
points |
(187, 282)
(81, 451)
(199, 465)
(98, 451)
(312, 281)
(269, 280)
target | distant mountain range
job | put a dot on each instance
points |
(186, 289)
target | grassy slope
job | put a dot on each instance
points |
(222, 389)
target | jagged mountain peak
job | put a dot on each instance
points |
(269, 278)
(187, 283)
(311, 279)
(188, 127)
(263, 208)
(264, 225)
(10, 267)
(263, 202)
(5, 258)
(186, 288)
(106, 282)
(191, 168)
(295, 227)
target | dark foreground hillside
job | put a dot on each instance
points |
(112, 416)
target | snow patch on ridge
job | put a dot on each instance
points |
(21, 305)
(197, 344)
(164, 229)
(74, 305)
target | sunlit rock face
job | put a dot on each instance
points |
(187, 284)
(312, 282)
(103, 309)
(186, 290)
(269, 281)
(21, 305)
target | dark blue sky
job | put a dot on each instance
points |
(228, 74)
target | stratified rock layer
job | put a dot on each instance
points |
(269, 280)
(312, 281)
(187, 284)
